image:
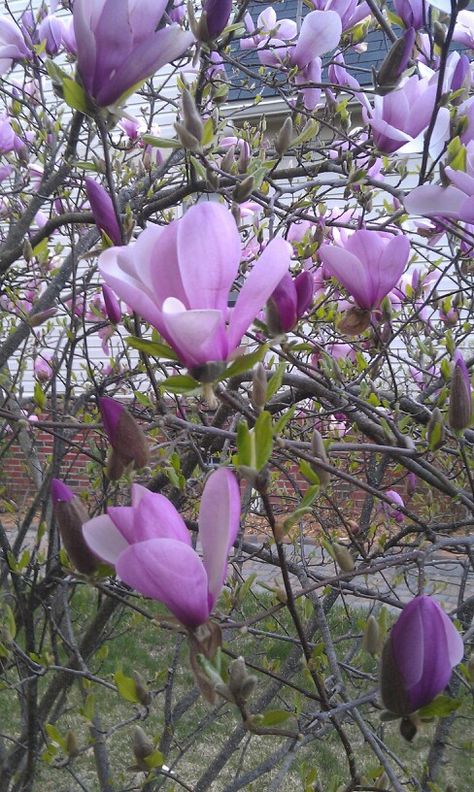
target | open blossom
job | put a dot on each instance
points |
(120, 43)
(9, 140)
(400, 118)
(464, 28)
(454, 201)
(411, 12)
(418, 657)
(179, 277)
(12, 44)
(368, 264)
(151, 549)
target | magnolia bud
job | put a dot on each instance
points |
(318, 450)
(439, 33)
(243, 189)
(141, 689)
(112, 305)
(142, 747)
(207, 373)
(343, 557)
(126, 438)
(72, 745)
(192, 119)
(411, 484)
(27, 250)
(370, 641)
(354, 321)
(284, 137)
(187, 140)
(71, 516)
(460, 397)
(396, 61)
(259, 387)
(37, 319)
(435, 430)
(228, 160)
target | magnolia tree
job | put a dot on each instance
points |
(247, 339)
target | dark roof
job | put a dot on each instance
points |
(360, 64)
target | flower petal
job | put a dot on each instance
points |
(264, 278)
(431, 200)
(197, 336)
(170, 572)
(320, 33)
(219, 518)
(157, 518)
(208, 245)
(104, 539)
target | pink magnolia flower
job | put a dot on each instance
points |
(12, 44)
(400, 118)
(179, 277)
(103, 210)
(464, 28)
(418, 657)
(368, 264)
(9, 140)
(150, 546)
(42, 368)
(121, 42)
(289, 302)
(411, 12)
(351, 11)
(454, 201)
(394, 512)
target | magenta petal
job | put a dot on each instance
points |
(170, 572)
(104, 539)
(60, 492)
(123, 517)
(157, 518)
(219, 518)
(264, 278)
(352, 273)
(208, 247)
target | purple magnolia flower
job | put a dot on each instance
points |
(52, 31)
(289, 302)
(411, 12)
(350, 11)
(320, 33)
(71, 515)
(112, 305)
(268, 29)
(103, 210)
(120, 43)
(400, 118)
(455, 201)
(368, 264)
(12, 44)
(217, 15)
(393, 512)
(9, 140)
(42, 368)
(178, 278)
(151, 549)
(418, 657)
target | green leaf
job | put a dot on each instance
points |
(263, 439)
(244, 445)
(275, 381)
(88, 708)
(75, 96)
(55, 736)
(310, 130)
(274, 717)
(439, 707)
(126, 687)
(180, 383)
(208, 132)
(285, 418)
(308, 472)
(39, 396)
(155, 759)
(153, 348)
(309, 496)
(159, 142)
(244, 363)
(9, 617)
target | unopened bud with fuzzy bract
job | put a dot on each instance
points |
(318, 449)
(191, 118)
(259, 387)
(460, 397)
(343, 557)
(128, 442)
(71, 515)
(370, 641)
(284, 137)
(243, 189)
(435, 430)
(142, 747)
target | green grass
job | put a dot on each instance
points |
(137, 644)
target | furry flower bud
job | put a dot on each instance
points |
(71, 516)
(460, 397)
(126, 438)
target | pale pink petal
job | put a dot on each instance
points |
(104, 539)
(208, 245)
(157, 518)
(197, 336)
(266, 274)
(170, 572)
(351, 272)
(431, 200)
(219, 518)
(320, 33)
